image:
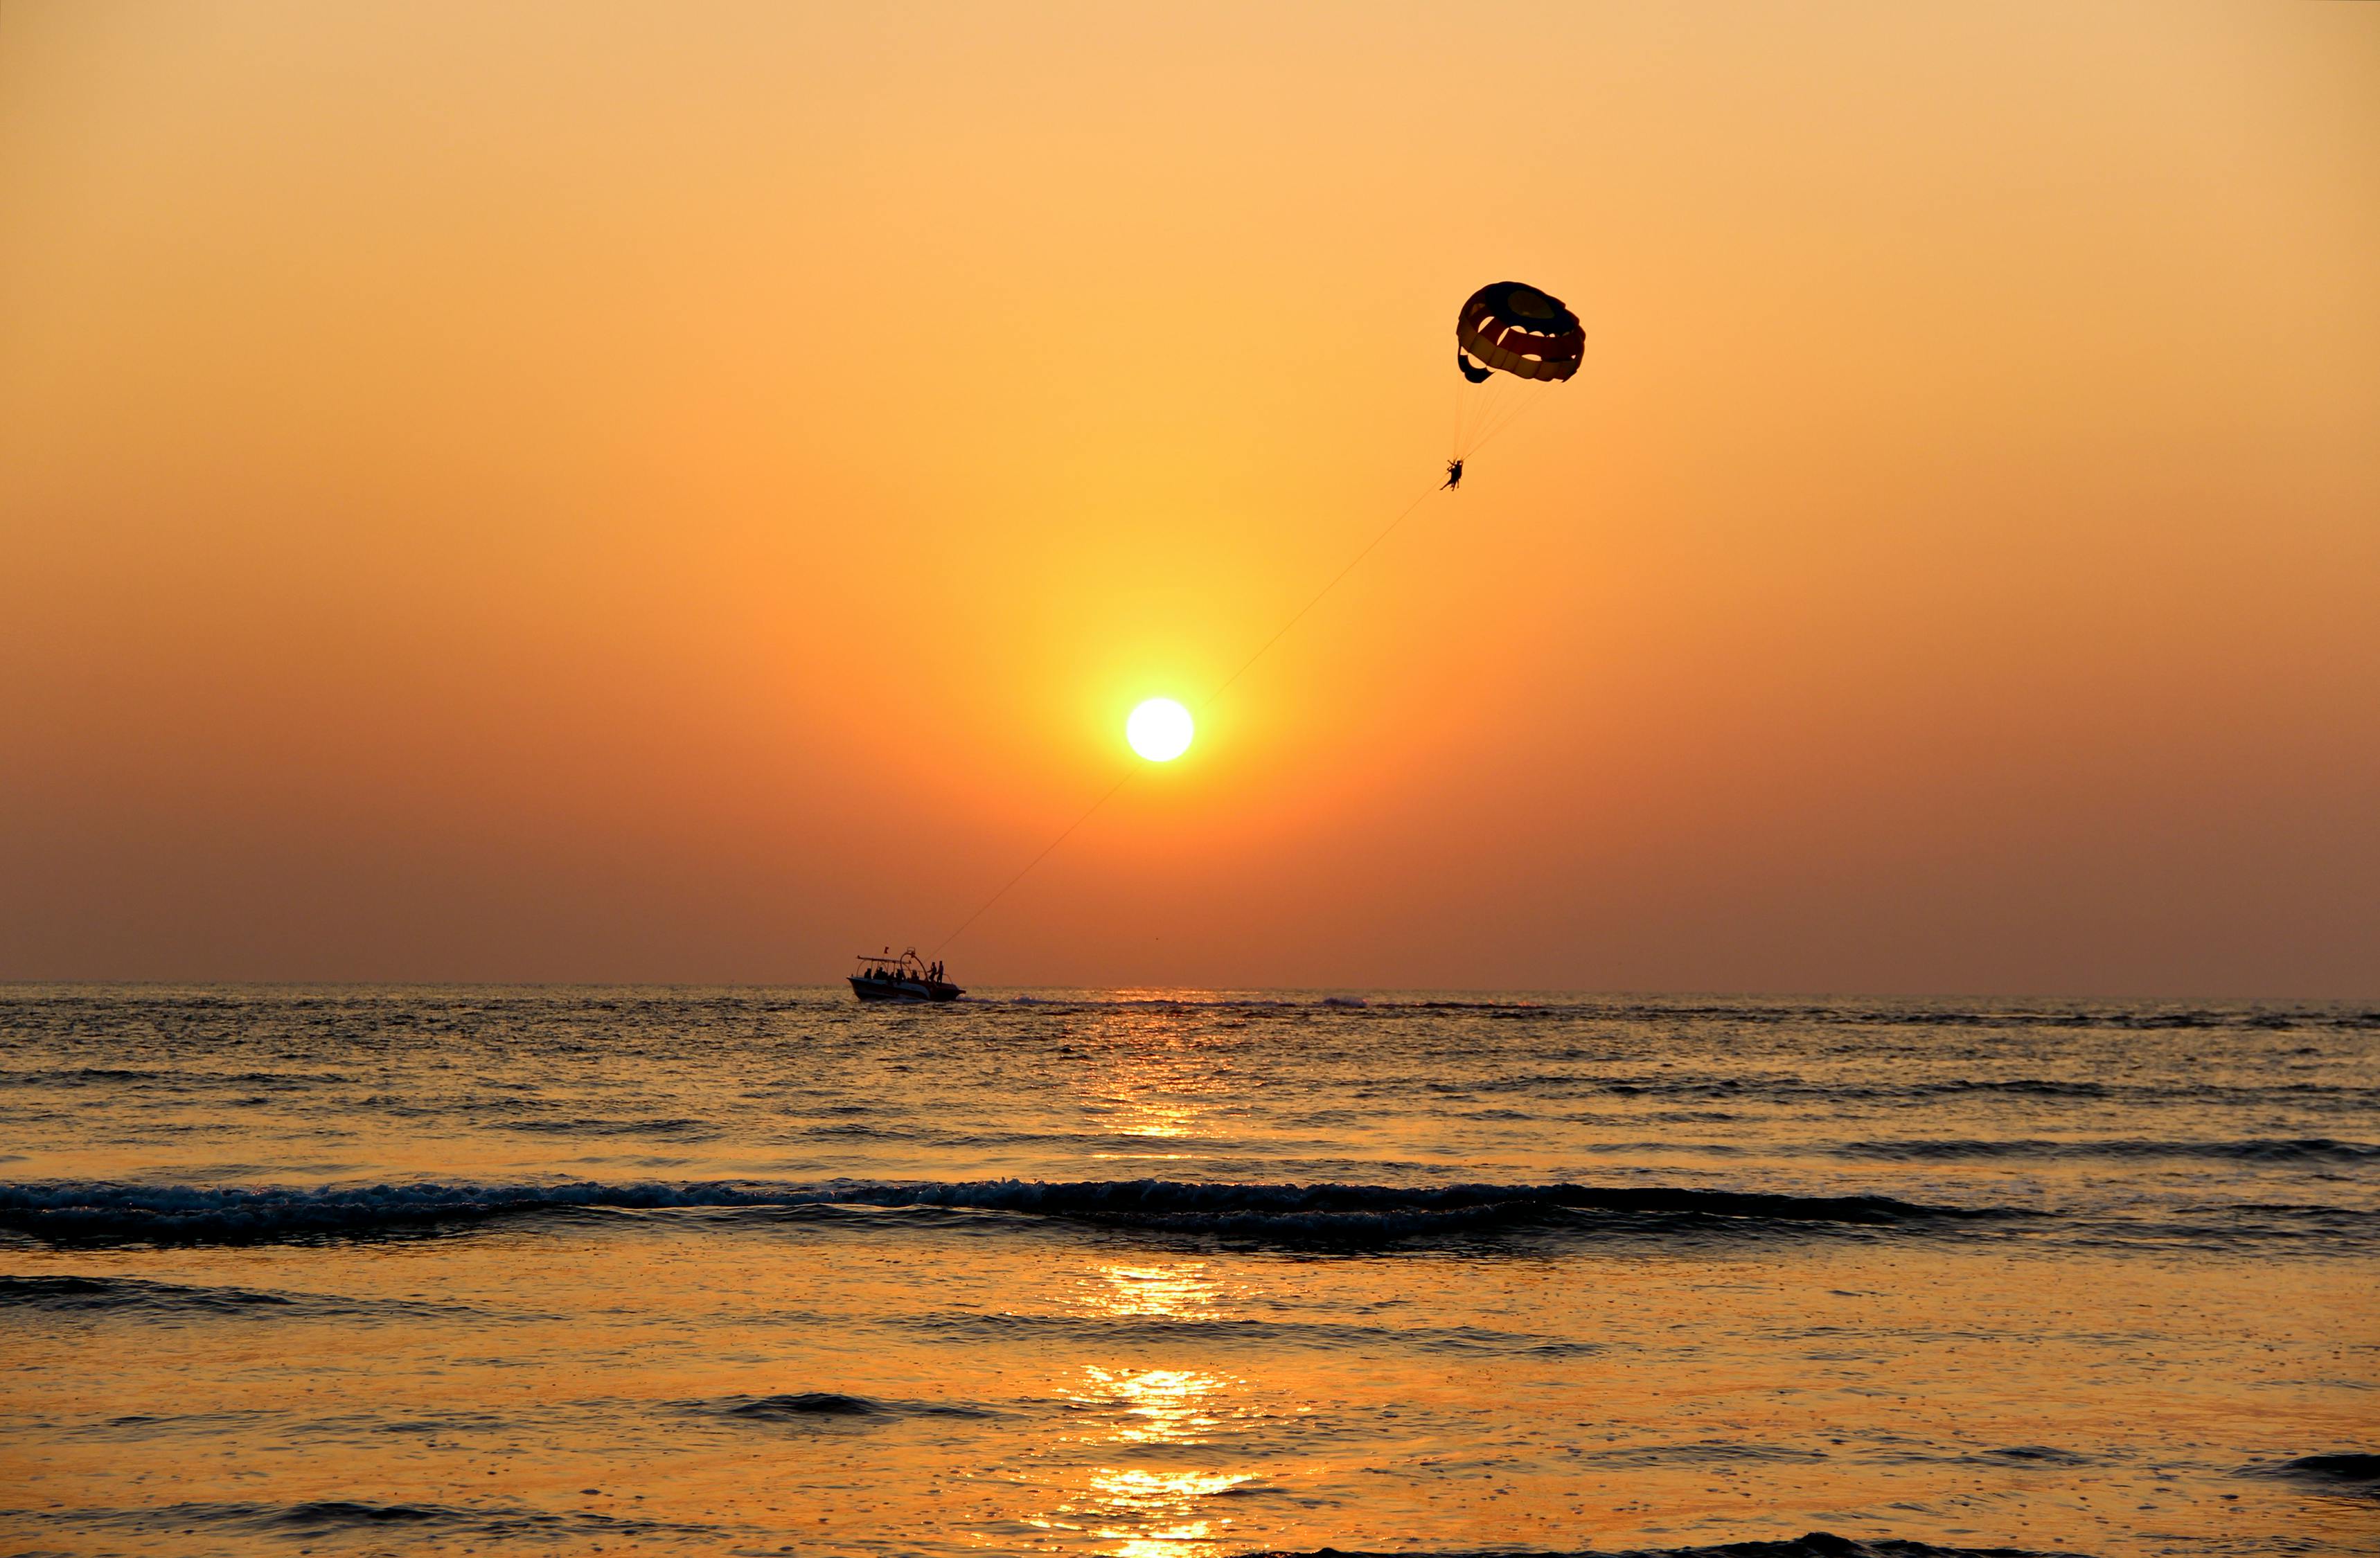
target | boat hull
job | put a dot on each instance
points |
(905, 990)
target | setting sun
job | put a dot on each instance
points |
(1159, 730)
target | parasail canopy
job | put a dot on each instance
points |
(1513, 327)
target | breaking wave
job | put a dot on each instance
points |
(337, 1518)
(1325, 1213)
(101, 1296)
(803, 1404)
(1816, 1544)
(2353, 1472)
(2310, 1149)
(815, 1405)
(349, 1519)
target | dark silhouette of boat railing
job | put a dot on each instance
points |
(882, 977)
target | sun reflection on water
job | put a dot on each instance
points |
(1184, 1290)
(1156, 1081)
(1158, 1405)
(1159, 1506)
(1145, 1511)
(1150, 1437)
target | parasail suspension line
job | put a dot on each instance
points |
(1369, 548)
(1037, 859)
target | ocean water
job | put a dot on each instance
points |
(1175, 1275)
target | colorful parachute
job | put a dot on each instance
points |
(1514, 327)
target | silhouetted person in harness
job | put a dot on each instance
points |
(1453, 473)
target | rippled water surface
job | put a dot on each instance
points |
(1180, 1275)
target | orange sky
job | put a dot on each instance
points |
(580, 491)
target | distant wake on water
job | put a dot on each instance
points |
(1300, 1214)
